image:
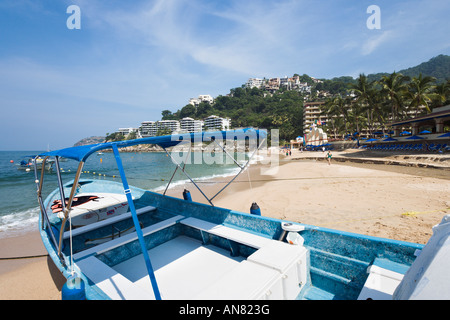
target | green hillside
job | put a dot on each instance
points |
(437, 67)
(283, 109)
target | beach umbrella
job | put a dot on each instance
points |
(390, 139)
(424, 131)
(414, 137)
(371, 139)
(444, 135)
(405, 132)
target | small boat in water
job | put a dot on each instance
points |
(27, 163)
(161, 247)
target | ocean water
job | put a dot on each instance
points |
(19, 209)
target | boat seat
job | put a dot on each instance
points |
(102, 223)
(277, 270)
(247, 281)
(127, 238)
(249, 239)
(115, 285)
(384, 277)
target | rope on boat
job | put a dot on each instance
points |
(25, 257)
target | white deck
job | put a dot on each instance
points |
(183, 267)
(186, 269)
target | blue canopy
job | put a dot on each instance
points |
(444, 135)
(424, 131)
(81, 153)
(372, 139)
(415, 137)
(390, 139)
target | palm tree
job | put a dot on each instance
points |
(337, 125)
(441, 94)
(356, 116)
(395, 88)
(365, 95)
(337, 107)
(420, 92)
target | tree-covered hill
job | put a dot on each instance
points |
(252, 108)
(437, 67)
(283, 109)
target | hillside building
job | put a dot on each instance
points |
(217, 123)
(190, 125)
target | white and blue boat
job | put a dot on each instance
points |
(29, 162)
(160, 247)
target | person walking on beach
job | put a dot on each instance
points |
(329, 157)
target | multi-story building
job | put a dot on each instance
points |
(255, 82)
(172, 125)
(151, 128)
(272, 85)
(217, 123)
(126, 131)
(312, 115)
(190, 125)
(148, 129)
(201, 98)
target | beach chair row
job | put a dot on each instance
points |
(410, 147)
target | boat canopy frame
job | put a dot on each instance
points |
(81, 154)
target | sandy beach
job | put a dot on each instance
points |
(390, 201)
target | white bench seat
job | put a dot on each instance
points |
(247, 281)
(102, 223)
(251, 240)
(384, 277)
(127, 238)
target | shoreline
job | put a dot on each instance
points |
(400, 202)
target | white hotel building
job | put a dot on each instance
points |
(190, 125)
(217, 123)
(211, 123)
(150, 128)
(201, 98)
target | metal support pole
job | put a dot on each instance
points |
(60, 184)
(188, 177)
(136, 223)
(242, 169)
(184, 165)
(44, 217)
(69, 204)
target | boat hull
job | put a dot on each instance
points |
(336, 261)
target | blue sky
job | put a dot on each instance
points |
(132, 59)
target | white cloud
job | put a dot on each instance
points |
(246, 36)
(374, 42)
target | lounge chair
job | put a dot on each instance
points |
(437, 147)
